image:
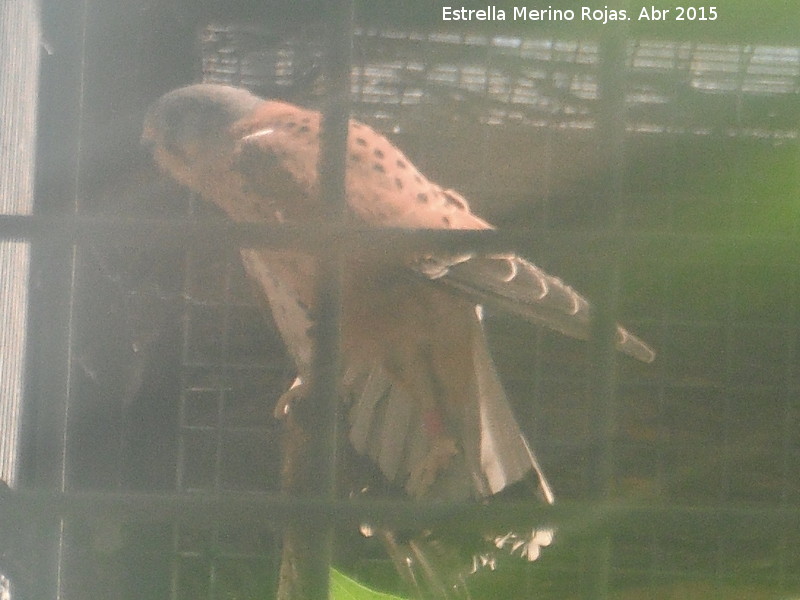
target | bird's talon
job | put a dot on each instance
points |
(296, 392)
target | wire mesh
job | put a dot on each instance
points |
(702, 100)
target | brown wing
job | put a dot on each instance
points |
(280, 148)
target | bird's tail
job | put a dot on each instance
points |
(387, 427)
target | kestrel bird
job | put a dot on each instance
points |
(426, 403)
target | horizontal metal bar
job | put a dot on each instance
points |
(277, 510)
(324, 235)
(316, 236)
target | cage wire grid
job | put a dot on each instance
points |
(506, 75)
(548, 86)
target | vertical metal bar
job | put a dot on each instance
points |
(60, 122)
(305, 568)
(610, 133)
(19, 56)
(19, 52)
(332, 170)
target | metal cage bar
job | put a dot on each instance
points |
(308, 547)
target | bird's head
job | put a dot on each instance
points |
(188, 129)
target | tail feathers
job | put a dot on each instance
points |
(510, 283)
(384, 424)
(505, 455)
(387, 427)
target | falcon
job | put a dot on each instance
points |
(425, 401)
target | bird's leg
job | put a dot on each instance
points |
(297, 391)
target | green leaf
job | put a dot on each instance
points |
(344, 588)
